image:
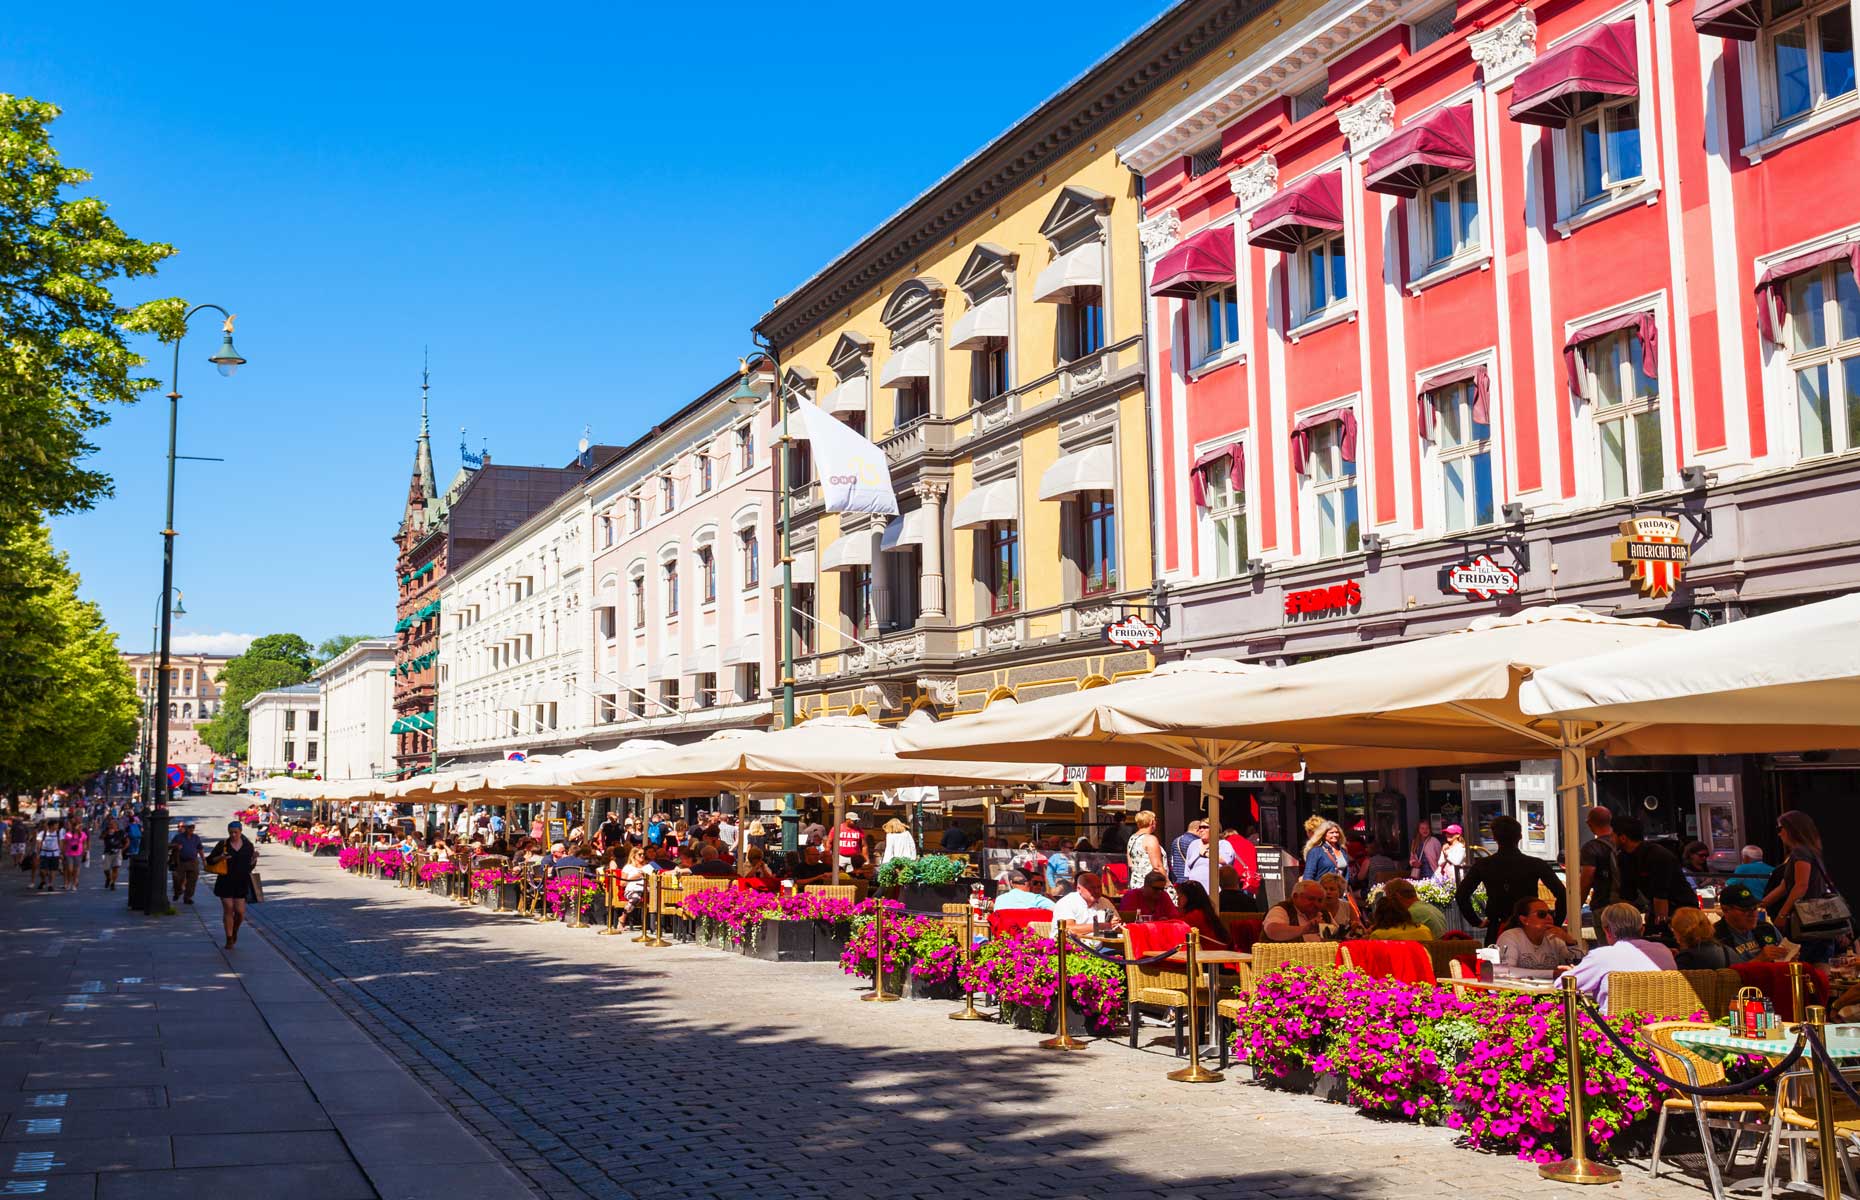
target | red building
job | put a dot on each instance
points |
(1437, 287)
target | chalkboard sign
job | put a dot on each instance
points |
(558, 831)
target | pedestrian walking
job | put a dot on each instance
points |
(184, 862)
(48, 855)
(238, 858)
(115, 841)
(71, 845)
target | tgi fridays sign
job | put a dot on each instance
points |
(1653, 553)
(1482, 578)
(1329, 601)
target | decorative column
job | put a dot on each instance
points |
(930, 588)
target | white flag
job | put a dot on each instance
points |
(853, 471)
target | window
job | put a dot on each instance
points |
(1081, 324)
(311, 716)
(706, 472)
(1424, 31)
(290, 752)
(707, 573)
(913, 401)
(1325, 278)
(638, 584)
(290, 719)
(1626, 409)
(749, 553)
(856, 599)
(668, 494)
(706, 694)
(604, 622)
(988, 370)
(634, 512)
(1807, 56)
(1605, 151)
(310, 752)
(1463, 445)
(1001, 569)
(1227, 517)
(1449, 211)
(1097, 517)
(805, 620)
(1824, 357)
(670, 574)
(607, 530)
(1310, 101)
(748, 682)
(668, 695)
(635, 703)
(745, 448)
(1333, 490)
(1204, 160)
(854, 421)
(1217, 319)
(800, 467)
(609, 708)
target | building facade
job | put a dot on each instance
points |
(684, 632)
(285, 731)
(1460, 308)
(357, 698)
(193, 699)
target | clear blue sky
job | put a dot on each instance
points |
(580, 209)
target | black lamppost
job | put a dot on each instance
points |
(155, 835)
(148, 699)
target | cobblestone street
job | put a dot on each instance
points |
(605, 1068)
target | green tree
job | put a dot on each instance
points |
(273, 661)
(64, 360)
(330, 647)
(68, 704)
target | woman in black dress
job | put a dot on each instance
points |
(234, 887)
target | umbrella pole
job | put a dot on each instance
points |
(1571, 790)
(1211, 795)
(839, 819)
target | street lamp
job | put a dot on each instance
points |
(749, 396)
(228, 360)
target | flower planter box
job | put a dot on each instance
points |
(326, 852)
(829, 941)
(1330, 1086)
(782, 941)
(510, 895)
(915, 988)
(930, 898)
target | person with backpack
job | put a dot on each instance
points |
(1804, 902)
(1600, 883)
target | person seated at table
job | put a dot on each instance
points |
(1744, 928)
(1622, 926)
(808, 865)
(1199, 912)
(560, 857)
(1300, 917)
(1698, 947)
(755, 875)
(1151, 902)
(1085, 909)
(1232, 897)
(1535, 942)
(1403, 892)
(710, 864)
(1389, 922)
(1339, 905)
(1020, 894)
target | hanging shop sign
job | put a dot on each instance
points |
(1324, 601)
(1077, 774)
(1653, 553)
(1483, 578)
(1133, 633)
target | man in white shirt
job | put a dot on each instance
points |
(1084, 909)
(1626, 951)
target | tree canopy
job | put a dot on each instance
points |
(330, 647)
(273, 661)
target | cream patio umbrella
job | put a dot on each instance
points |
(831, 755)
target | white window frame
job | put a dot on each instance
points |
(1210, 519)
(1305, 318)
(1572, 213)
(1311, 490)
(1205, 352)
(1436, 459)
(1430, 262)
(1759, 95)
(1613, 186)
(1592, 421)
(1829, 355)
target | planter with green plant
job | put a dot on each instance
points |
(926, 884)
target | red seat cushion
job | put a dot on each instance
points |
(1153, 937)
(1014, 920)
(1243, 931)
(1773, 980)
(1406, 961)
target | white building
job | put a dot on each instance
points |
(285, 731)
(358, 710)
(513, 640)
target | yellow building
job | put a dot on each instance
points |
(990, 339)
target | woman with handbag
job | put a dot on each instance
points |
(233, 862)
(1804, 901)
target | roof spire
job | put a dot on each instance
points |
(426, 382)
(423, 455)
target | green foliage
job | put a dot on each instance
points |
(68, 704)
(330, 647)
(934, 871)
(64, 359)
(273, 661)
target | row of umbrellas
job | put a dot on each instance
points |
(1555, 679)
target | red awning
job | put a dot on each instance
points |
(1773, 295)
(1312, 206)
(1738, 20)
(1230, 454)
(1482, 395)
(1600, 61)
(1301, 434)
(1641, 323)
(1441, 140)
(1198, 260)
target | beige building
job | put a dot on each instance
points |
(193, 698)
(357, 688)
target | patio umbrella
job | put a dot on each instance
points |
(827, 754)
(1786, 680)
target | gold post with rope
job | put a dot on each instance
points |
(1827, 1150)
(614, 888)
(1798, 988)
(968, 1012)
(645, 915)
(1578, 1167)
(658, 912)
(1063, 1040)
(1194, 1072)
(878, 992)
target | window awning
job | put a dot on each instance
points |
(1600, 61)
(1343, 415)
(1199, 260)
(745, 649)
(1482, 395)
(907, 529)
(1299, 212)
(983, 321)
(1441, 140)
(1773, 296)
(996, 501)
(1231, 456)
(906, 366)
(803, 566)
(1079, 267)
(852, 396)
(665, 668)
(1641, 323)
(852, 550)
(1738, 20)
(703, 662)
(1090, 470)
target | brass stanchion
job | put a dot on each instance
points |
(652, 902)
(613, 909)
(968, 1012)
(1194, 1072)
(1827, 1152)
(878, 992)
(1063, 1040)
(658, 915)
(1578, 1167)
(1798, 988)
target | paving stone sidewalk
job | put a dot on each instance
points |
(139, 1059)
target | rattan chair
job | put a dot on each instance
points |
(1269, 957)
(1797, 1118)
(1163, 986)
(834, 891)
(671, 891)
(1671, 995)
(1739, 1114)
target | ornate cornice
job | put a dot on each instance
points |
(1506, 48)
(1368, 121)
(1255, 181)
(1125, 79)
(1159, 232)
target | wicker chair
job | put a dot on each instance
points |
(834, 891)
(1739, 1114)
(1671, 994)
(1163, 986)
(691, 885)
(1272, 956)
(671, 891)
(1797, 1118)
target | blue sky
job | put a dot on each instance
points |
(581, 210)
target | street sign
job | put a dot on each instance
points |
(177, 776)
(1133, 633)
(1483, 578)
(515, 756)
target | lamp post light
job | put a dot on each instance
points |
(155, 836)
(748, 396)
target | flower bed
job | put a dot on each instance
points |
(563, 892)
(486, 878)
(729, 914)
(921, 947)
(388, 862)
(1019, 973)
(303, 839)
(434, 870)
(349, 858)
